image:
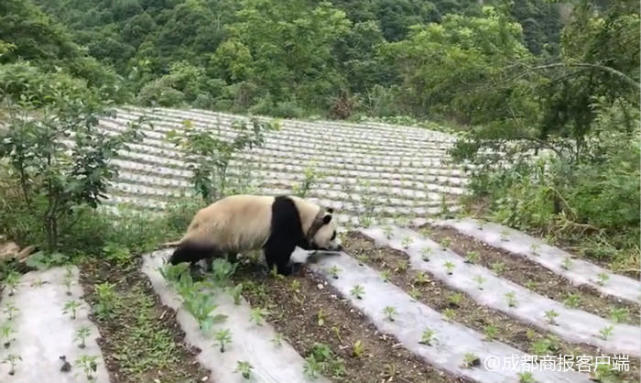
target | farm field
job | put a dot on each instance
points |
(420, 293)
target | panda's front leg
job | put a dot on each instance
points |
(279, 256)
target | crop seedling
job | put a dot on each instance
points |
(12, 360)
(358, 291)
(606, 332)
(312, 367)
(544, 346)
(426, 252)
(11, 282)
(10, 311)
(88, 365)
(498, 267)
(277, 340)
(421, 278)
(222, 270)
(530, 285)
(402, 266)
(322, 359)
(572, 300)
(385, 275)
(449, 314)
(258, 315)
(71, 307)
(471, 360)
(603, 278)
(6, 332)
(551, 316)
(619, 315)
(407, 241)
(449, 266)
(200, 305)
(428, 337)
(490, 332)
(567, 263)
(415, 293)
(223, 337)
(358, 349)
(81, 336)
(511, 299)
(68, 280)
(472, 257)
(244, 368)
(389, 312)
(479, 281)
(526, 377)
(334, 271)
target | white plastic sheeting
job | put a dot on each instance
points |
(571, 324)
(271, 363)
(44, 332)
(580, 271)
(412, 318)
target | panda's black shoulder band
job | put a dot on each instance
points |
(316, 224)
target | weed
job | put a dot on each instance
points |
(358, 349)
(449, 266)
(490, 332)
(71, 307)
(244, 368)
(389, 312)
(472, 257)
(12, 360)
(603, 278)
(526, 377)
(572, 300)
(401, 266)
(116, 253)
(606, 332)
(295, 286)
(544, 346)
(471, 360)
(358, 291)
(428, 337)
(421, 278)
(107, 300)
(320, 318)
(455, 299)
(312, 367)
(530, 285)
(88, 365)
(81, 336)
(511, 299)
(322, 360)
(415, 293)
(258, 315)
(385, 275)
(498, 267)
(619, 315)
(479, 281)
(551, 316)
(223, 337)
(445, 243)
(449, 314)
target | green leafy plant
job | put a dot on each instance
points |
(358, 349)
(511, 299)
(334, 271)
(200, 304)
(479, 281)
(534, 249)
(543, 346)
(222, 270)
(390, 313)
(426, 252)
(526, 377)
(449, 266)
(415, 293)
(619, 315)
(472, 257)
(81, 336)
(455, 299)
(428, 337)
(117, 253)
(357, 291)
(10, 311)
(606, 332)
(421, 278)
(572, 300)
(236, 293)
(551, 316)
(445, 243)
(388, 231)
(322, 360)
(71, 307)
(407, 241)
(257, 315)
(498, 267)
(6, 334)
(88, 365)
(490, 332)
(385, 275)
(471, 360)
(309, 179)
(11, 280)
(68, 280)
(244, 368)
(449, 314)
(106, 300)
(223, 337)
(401, 266)
(603, 278)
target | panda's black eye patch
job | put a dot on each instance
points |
(333, 236)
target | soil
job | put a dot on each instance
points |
(141, 342)
(535, 277)
(306, 311)
(464, 310)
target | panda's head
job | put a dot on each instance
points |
(325, 237)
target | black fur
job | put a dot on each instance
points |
(192, 252)
(286, 234)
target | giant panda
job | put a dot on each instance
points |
(241, 223)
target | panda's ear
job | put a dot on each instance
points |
(327, 218)
(330, 210)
